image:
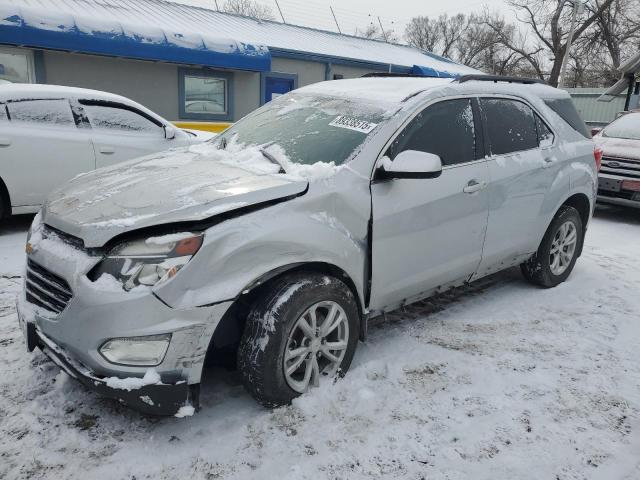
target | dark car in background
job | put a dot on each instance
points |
(619, 176)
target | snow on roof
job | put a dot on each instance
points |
(146, 20)
(387, 90)
(23, 91)
(16, 91)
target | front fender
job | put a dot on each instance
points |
(326, 227)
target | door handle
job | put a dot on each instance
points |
(5, 142)
(548, 161)
(474, 186)
(107, 150)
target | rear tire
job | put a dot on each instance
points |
(284, 336)
(553, 262)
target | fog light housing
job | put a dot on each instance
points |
(148, 351)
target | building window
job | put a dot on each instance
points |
(16, 66)
(205, 95)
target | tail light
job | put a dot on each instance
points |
(597, 155)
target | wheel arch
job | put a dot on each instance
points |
(5, 199)
(581, 203)
(228, 332)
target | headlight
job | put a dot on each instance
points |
(146, 351)
(149, 262)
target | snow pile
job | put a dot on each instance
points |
(171, 238)
(185, 411)
(45, 239)
(252, 159)
(151, 377)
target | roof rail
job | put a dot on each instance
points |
(500, 78)
(390, 74)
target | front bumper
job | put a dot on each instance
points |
(611, 190)
(158, 399)
(72, 338)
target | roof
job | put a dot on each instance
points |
(176, 26)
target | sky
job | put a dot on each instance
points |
(352, 14)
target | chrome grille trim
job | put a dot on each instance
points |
(623, 167)
(46, 289)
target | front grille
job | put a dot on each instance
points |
(621, 166)
(46, 289)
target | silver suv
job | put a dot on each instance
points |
(280, 238)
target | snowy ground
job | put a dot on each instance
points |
(504, 382)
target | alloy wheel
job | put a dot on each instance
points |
(316, 345)
(563, 248)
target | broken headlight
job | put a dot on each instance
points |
(148, 262)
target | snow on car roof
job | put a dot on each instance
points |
(16, 91)
(387, 90)
(28, 91)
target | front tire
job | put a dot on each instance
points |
(300, 328)
(553, 262)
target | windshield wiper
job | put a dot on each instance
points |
(272, 159)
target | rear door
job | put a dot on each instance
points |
(522, 166)
(41, 149)
(428, 233)
(121, 132)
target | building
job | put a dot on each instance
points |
(185, 62)
(593, 112)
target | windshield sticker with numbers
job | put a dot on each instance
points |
(352, 123)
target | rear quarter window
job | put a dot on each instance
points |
(3, 112)
(567, 111)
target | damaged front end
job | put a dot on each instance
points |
(119, 340)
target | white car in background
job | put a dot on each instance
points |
(49, 134)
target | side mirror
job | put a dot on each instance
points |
(169, 132)
(411, 164)
(595, 130)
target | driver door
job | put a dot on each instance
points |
(428, 233)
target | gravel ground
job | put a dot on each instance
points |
(500, 381)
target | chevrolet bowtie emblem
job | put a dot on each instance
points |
(28, 249)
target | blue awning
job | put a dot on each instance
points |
(60, 31)
(432, 72)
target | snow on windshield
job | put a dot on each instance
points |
(304, 130)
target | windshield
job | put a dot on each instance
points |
(308, 128)
(627, 126)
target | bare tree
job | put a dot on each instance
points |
(548, 21)
(374, 32)
(248, 8)
(617, 30)
(477, 40)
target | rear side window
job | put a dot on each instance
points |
(567, 111)
(511, 125)
(51, 112)
(445, 129)
(3, 112)
(123, 120)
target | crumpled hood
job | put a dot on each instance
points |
(619, 147)
(179, 185)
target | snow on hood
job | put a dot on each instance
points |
(618, 147)
(186, 184)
